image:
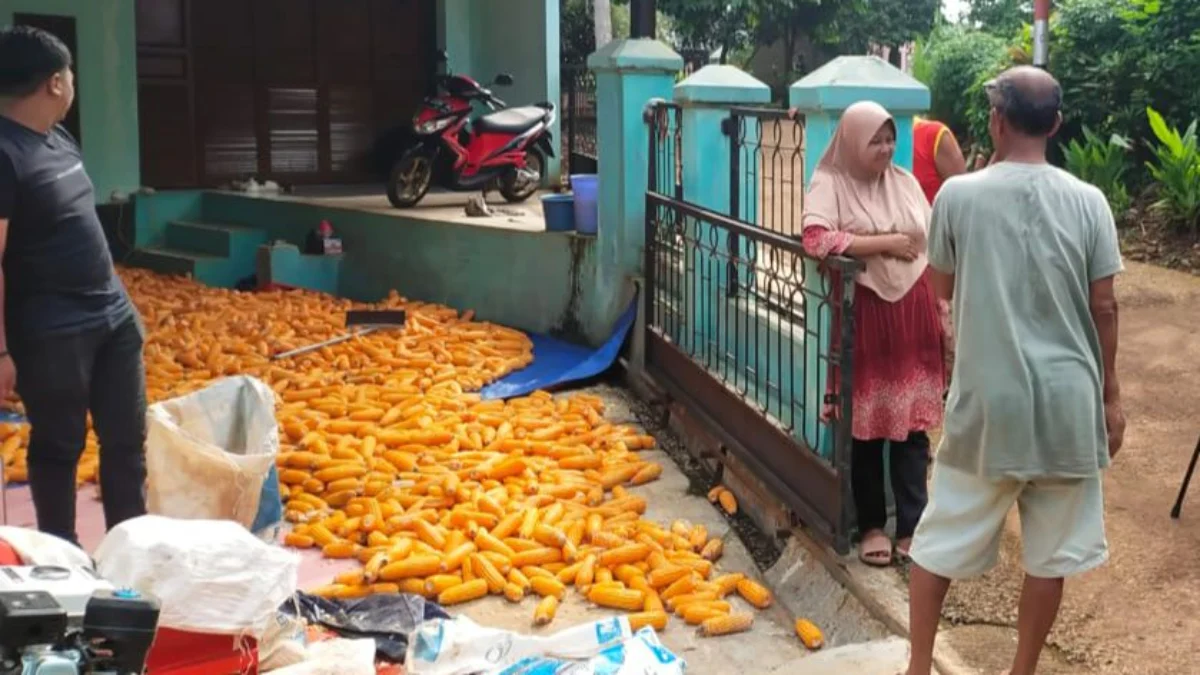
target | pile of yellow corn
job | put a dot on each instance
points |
(388, 458)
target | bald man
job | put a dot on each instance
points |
(1027, 255)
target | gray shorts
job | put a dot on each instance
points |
(1062, 524)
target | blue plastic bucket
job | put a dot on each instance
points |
(587, 209)
(560, 212)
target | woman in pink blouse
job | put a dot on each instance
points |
(862, 205)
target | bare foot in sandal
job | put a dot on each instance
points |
(903, 546)
(875, 549)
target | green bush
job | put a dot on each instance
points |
(1101, 162)
(1176, 169)
(955, 61)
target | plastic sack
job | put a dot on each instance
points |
(608, 647)
(39, 548)
(335, 657)
(210, 576)
(209, 455)
(284, 644)
(641, 654)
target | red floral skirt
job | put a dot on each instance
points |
(899, 363)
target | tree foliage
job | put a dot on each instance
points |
(999, 17)
(710, 25)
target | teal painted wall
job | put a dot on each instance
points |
(107, 68)
(535, 281)
(483, 38)
(153, 213)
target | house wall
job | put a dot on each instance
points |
(542, 282)
(107, 68)
(484, 38)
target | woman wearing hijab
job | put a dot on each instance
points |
(862, 205)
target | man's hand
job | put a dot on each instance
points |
(8, 377)
(1114, 421)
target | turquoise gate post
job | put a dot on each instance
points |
(706, 97)
(822, 96)
(629, 74)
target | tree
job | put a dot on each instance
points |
(710, 25)
(602, 13)
(999, 17)
(886, 23)
(577, 31)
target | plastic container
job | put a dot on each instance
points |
(587, 207)
(560, 212)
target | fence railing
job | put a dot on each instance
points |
(740, 324)
(580, 150)
(766, 183)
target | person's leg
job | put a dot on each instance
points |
(52, 380)
(957, 537)
(118, 402)
(1062, 532)
(926, 595)
(1040, 600)
(870, 505)
(910, 473)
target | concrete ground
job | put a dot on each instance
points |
(437, 205)
(1140, 613)
(771, 646)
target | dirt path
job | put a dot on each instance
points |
(1141, 613)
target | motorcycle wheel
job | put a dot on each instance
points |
(410, 179)
(517, 188)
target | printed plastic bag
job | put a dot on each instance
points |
(210, 454)
(605, 647)
(211, 576)
(641, 654)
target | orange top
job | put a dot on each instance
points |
(927, 138)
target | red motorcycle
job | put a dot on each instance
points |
(505, 150)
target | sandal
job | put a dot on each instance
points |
(903, 547)
(875, 549)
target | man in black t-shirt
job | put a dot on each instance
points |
(70, 339)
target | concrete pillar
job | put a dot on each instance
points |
(705, 97)
(629, 73)
(822, 96)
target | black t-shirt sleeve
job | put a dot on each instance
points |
(8, 187)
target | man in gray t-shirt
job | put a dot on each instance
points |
(1027, 255)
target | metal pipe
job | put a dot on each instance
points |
(1041, 32)
(643, 15)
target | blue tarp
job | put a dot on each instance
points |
(556, 362)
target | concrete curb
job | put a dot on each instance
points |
(882, 596)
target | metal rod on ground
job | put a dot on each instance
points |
(1187, 481)
(369, 320)
(1041, 32)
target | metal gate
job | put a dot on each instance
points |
(580, 150)
(741, 326)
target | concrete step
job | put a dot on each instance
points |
(882, 657)
(168, 260)
(214, 239)
(210, 270)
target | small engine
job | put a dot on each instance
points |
(39, 635)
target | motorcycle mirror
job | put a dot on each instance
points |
(504, 80)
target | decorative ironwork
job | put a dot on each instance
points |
(766, 183)
(580, 149)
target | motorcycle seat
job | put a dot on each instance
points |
(513, 120)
